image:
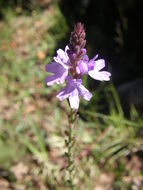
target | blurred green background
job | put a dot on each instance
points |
(109, 155)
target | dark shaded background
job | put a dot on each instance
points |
(115, 31)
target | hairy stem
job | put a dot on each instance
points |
(69, 144)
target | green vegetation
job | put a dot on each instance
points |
(32, 121)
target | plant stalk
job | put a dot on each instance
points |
(70, 144)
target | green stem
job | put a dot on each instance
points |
(70, 143)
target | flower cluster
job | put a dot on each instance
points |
(71, 64)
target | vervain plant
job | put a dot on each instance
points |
(70, 66)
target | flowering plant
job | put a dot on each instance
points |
(71, 64)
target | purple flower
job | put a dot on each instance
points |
(59, 68)
(73, 91)
(70, 65)
(92, 68)
(95, 71)
(82, 66)
(62, 57)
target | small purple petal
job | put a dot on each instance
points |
(53, 67)
(91, 63)
(74, 100)
(84, 93)
(99, 64)
(62, 57)
(102, 76)
(82, 67)
(96, 73)
(73, 82)
(65, 92)
(59, 68)
(50, 80)
(66, 49)
(59, 77)
(83, 51)
(85, 58)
